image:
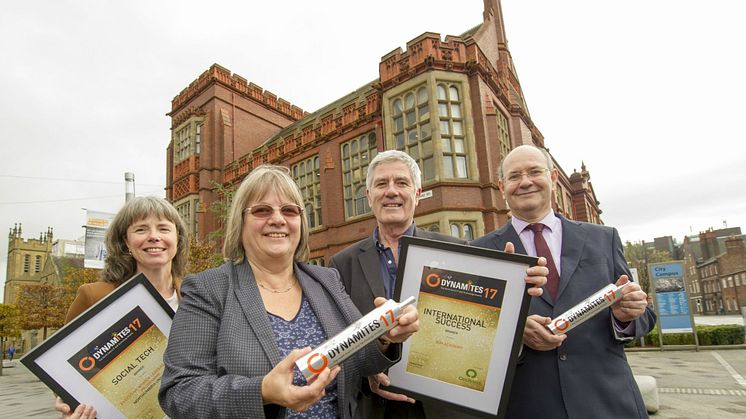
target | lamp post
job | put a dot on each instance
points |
(129, 186)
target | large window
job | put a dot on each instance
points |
(307, 174)
(187, 139)
(37, 264)
(503, 136)
(356, 154)
(452, 131)
(187, 209)
(26, 263)
(413, 129)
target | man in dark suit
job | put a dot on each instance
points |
(368, 268)
(585, 373)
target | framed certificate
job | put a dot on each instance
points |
(111, 356)
(473, 306)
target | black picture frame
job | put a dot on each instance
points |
(466, 277)
(52, 360)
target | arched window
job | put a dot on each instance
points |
(356, 154)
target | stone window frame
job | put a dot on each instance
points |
(307, 175)
(430, 80)
(461, 229)
(354, 166)
(187, 208)
(187, 139)
(26, 263)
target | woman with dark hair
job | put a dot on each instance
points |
(242, 326)
(146, 236)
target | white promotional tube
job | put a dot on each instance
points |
(335, 350)
(586, 309)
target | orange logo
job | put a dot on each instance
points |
(433, 280)
(561, 324)
(311, 368)
(610, 296)
(86, 363)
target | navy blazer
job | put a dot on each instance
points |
(359, 266)
(588, 375)
(221, 344)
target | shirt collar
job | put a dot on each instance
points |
(551, 221)
(408, 232)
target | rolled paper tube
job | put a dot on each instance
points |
(335, 350)
(605, 297)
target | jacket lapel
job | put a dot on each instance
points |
(251, 303)
(370, 264)
(573, 241)
(508, 234)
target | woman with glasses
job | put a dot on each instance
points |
(240, 327)
(146, 236)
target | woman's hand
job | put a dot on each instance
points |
(81, 412)
(409, 323)
(278, 388)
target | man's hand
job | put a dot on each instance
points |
(535, 275)
(409, 323)
(633, 303)
(537, 337)
(375, 381)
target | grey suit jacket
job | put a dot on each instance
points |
(359, 267)
(221, 344)
(588, 376)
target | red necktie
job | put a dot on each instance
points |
(542, 249)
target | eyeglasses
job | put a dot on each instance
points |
(532, 174)
(266, 211)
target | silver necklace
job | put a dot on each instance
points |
(276, 291)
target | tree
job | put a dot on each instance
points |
(219, 208)
(44, 306)
(9, 327)
(202, 256)
(638, 256)
(73, 277)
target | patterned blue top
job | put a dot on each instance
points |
(304, 330)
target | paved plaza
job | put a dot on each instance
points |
(691, 384)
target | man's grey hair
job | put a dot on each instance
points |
(550, 165)
(395, 156)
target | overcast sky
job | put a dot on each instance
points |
(647, 93)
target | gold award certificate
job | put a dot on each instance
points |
(459, 313)
(125, 365)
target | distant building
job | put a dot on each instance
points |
(69, 248)
(715, 271)
(455, 105)
(26, 260)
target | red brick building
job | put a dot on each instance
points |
(715, 271)
(454, 104)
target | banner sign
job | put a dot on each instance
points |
(95, 230)
(671, 299)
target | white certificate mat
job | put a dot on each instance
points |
(111, 356)
(472, 304)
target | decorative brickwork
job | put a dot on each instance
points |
(218, 74)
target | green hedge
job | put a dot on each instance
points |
(729, 334)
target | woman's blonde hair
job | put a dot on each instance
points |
(254, 187)
(120, 265)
